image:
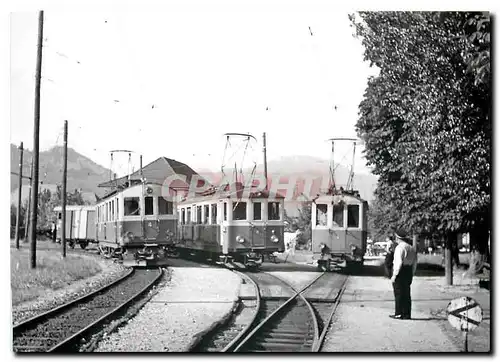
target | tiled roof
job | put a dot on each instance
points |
(158, 172)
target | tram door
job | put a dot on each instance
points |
(150, 220)
(257, 229)
(224, 208)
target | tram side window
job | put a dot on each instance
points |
(165, 207)
(131, 206)
(225, 211)
(112, 209)
(206, 210)
(214, 214)
(240, 211)
(198, 215)
(188, 215)
(257, 211)
(321, 214)
(273, 211)
(183, 216)
(353, 216)
(148, 205)
(338, 215)
(117, 209)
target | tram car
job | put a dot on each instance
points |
(80, 225)
(232, 224)
(136, 224)
(339, 229)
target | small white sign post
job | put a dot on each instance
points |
(464, 314)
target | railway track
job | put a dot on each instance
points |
(62, 329)
(297, 321)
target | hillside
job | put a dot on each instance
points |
(83, 173)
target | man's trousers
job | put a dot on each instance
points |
(402, 287)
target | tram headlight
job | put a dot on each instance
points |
(274, 238)
(240, 239)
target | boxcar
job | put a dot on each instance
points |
(80, 224)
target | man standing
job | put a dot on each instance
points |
(404, 267)
(53, 230)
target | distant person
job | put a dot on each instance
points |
(53, 230)
(389, 257)
(404, 267)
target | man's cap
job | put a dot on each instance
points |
(401, 234)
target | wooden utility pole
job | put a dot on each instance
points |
(18, 216)
(265, 156)
(64, 180)
(36, 144)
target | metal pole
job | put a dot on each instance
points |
(466, 347)
(332, 167)
(27, 218)
(64, 180)
(18, 216)
(265, 156)
(36, 145)
(140, 165)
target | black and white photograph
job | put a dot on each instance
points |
(242, 177)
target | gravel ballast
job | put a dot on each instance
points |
(193, 300)
(52, 298)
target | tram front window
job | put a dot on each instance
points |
(352, 216)
(273, 211)
(131, 206)
(240, 211)
(165, 207)
(321, 214)
(338, 215)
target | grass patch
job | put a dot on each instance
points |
(52, 273)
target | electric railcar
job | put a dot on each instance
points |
(229, 226)
(339, 229)
(136, 224)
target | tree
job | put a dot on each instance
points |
(425, 119)
(47, 201)
(301, 223)
(13, 220)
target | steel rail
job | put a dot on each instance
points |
(60, 346)
(310, 307)
(319, 344)
(280, 308)
(249, 325)
(26, 324)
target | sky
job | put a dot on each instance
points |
(170, 82)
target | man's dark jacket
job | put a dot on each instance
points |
(389, 258)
